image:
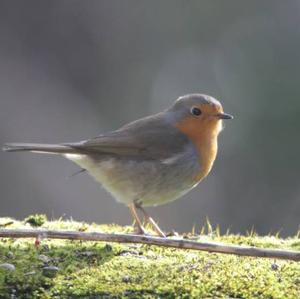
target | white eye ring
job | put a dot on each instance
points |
(196, 111)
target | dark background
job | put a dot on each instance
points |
(70, 70)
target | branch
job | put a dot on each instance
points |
(151, 240)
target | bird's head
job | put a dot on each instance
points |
(198, 115)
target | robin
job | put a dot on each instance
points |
(153, 160)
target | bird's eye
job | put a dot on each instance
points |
(196, 111)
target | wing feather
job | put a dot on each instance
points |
(147, 138)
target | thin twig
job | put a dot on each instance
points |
(151, 240)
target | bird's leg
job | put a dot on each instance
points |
(138, 224)
(150, 220)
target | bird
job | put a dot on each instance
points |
(150, 161)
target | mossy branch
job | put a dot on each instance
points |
(151, 240)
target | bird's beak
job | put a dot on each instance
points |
(223, 115)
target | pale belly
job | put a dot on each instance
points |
(150, 183)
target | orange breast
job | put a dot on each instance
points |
(204, 136)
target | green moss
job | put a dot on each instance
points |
(36, 220)
(84, 269)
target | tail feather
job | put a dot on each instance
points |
(41, 148)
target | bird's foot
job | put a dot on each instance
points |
(156, 227)
(139, 230)
(172, 233)
(150, 220)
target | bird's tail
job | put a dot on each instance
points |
(39, 148)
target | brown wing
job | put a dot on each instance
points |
(149, 138)
(111, 143)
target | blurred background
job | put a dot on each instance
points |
(70, 70)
